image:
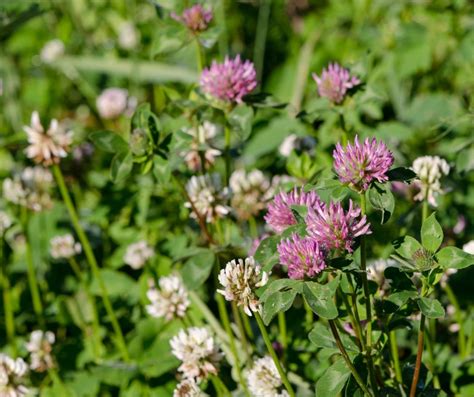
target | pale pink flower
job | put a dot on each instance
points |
(334, 82)
(195, 18)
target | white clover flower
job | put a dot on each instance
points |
(137, 254)
(264, 380)
(64, 247)
(112, 103)
(197, 350)
(429, 169)
(248, 192)
(40, 347)
(240, 279)
(12, 374)
(170, 301)
(52, 50)
(200, 146)
(469, 247)
(30, 188)
(288, 144)
(47, 147)
(375, 272)
(5, 222)
(128, 36)
(207, 197)
(188, 388)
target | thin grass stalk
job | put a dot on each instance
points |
(7, 302)
(238, 320)
(459, 318)
(395, 356)
(261, 36)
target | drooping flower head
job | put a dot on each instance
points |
(264, 380)
(430, 170)
(360, 164)
(47, 147)
(202, 136)
(334, 82)
(64, 247)
(229, 81)
(196, 18)
(207, 196)
(188, 388)
(12, 374)
(198, 351)
(280, 216)
(303, 256)
(113, 102)
(40, 348)
(334, 228)
(137, 254)
(170, 301)
(240, 278)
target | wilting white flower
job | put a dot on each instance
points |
(207, 197)
(52, 50)
(30, 188)
(170, 301)
(128, 36)
(240, 279)
(47, 147)
(200, 146)
(40, 347)
(64, 247)
(264, 380)
(197, 350)
(188, 388)
(469, 247)
(429, 169)
(375, 272)
(137, 254)
(112, 103)
(12, 373)
(248, 192)
(5, 222)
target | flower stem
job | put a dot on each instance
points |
(347, 359)
(219, 386)
(199, 58)
(458, 314)
(227, 154)
(396, 360)
(119, 339)
(261, 36)
(355, 324)
(238, 320)
(282, 328)
(419, 354)
(273, 354)
(7, 303)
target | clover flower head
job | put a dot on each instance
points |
(137, 254)
(207, 197)
(188, 388)
(12, 374)
(202, 136)
(229, 81)
(280, 216)
(47, 147)
(360, 164)
(5, 222)
(40, 347)
(195, 18)
(170, 300)
(295, 142)
(334, 228)
(198, 351)
(129, 36)
(52, 50)
(430, 170)
(240, 278)
(303, 256)
(64, 247)
(264, 380)
(112, 103)
(334, 82)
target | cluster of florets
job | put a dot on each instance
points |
(170, 300)
(334, 82)
(137, 254)
(40, 347)
(195, 18)
(200, 148)
(12, 374)
(264, 380)
(114, 102)
(64, 247)
(430, 170)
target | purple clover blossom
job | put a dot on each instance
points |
(303, 256)
(196, 18)
(334, 82)
(280, 216)
(360, 164)
(334, 228)
(229, 81)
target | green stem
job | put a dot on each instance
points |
(248, 327)
(253, 227)
(273, 354)
(396, 359)
(308, 315)
(355, 324)
(119, 339)
(356, 310)
(282, 328)
(347, 359)
(223, 37)
(424, 210)
(227, 155)
(430, 346)
(220, 386)
(238, 320)
(199, 55)
(459, 318)
(7, 302)
(261, 36)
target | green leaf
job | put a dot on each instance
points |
(381, 198)
(320, 298)
(122, 165)
(240, 119)
(277, 302)
(267, 254)
(161, 169)
(401, 174)
(454, 258)
(321, 337)
(431, 234)
(108, 141)
(402, 297)
(263, 100)
(280, 285)
(329, 190)
(431, 308)
(333, 380)
(197, 269)
(406, 246)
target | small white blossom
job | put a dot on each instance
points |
(375, 272)
(197, 350)
(47, 147)
(170, 301)
(64, 247)
(52, 50)
(188, 388)
(112, 103)
(240, 279)
(137, 254)
(40, 347)
(264, 380)
(12, 373)
(288, 144)
(429, 169)
(207, 197)
(128, 36)
(5, 222)
(469, 247)
(248, 192)
(200, 146)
